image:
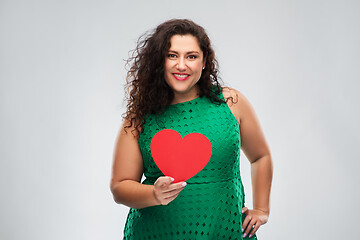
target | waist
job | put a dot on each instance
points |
(199, 180)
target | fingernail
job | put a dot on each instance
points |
(184, 184)
(244, 235)
(172, 179)
(242, 211)
(250, 236)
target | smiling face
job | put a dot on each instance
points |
(183, 67)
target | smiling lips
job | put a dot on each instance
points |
(180, 76)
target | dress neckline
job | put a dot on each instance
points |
(184, 103)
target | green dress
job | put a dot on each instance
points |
(210, 206)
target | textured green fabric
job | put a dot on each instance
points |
(210, 205)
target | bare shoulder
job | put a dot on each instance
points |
(232, 92)
(236, 95)
(228, 93)
(236, 101)
(231, 98)
(131, 125)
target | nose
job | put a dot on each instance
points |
(181, 65)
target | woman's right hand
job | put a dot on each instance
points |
(166, 191)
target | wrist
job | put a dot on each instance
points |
(157, 201)
(263, 210)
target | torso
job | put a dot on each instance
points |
(220, 176)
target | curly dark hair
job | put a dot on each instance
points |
(145, 83)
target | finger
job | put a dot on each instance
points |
(170, 199)
(175, 186)
(178, 185)
(169, 180)
(256, 227)
(173, 192)
(165, 182)
(246, 222)
(173, 195)
(244, 209)
(249, 226)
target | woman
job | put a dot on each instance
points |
(175, 94)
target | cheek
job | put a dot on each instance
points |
(167, 65)
(197, 67)
(167, 71)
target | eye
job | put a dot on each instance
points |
(192, 56)
(170, 55)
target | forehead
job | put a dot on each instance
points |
(184, 43)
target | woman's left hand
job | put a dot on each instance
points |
(254, 218)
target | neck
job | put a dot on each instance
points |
(184, 97)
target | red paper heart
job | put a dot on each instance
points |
(180, 158)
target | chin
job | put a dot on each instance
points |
(177, 90)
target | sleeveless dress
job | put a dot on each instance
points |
(210, 205)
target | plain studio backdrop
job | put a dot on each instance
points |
(62, 73)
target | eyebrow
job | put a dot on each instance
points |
(186, 53)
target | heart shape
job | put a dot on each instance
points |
(180, 158)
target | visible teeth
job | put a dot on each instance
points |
(182, 76)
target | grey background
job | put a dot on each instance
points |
(62, 74)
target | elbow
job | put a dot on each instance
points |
(265, 157)
(116, 200)
(115, 197)
(115, 194)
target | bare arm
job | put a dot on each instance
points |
(257, 151)
(127, 172)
